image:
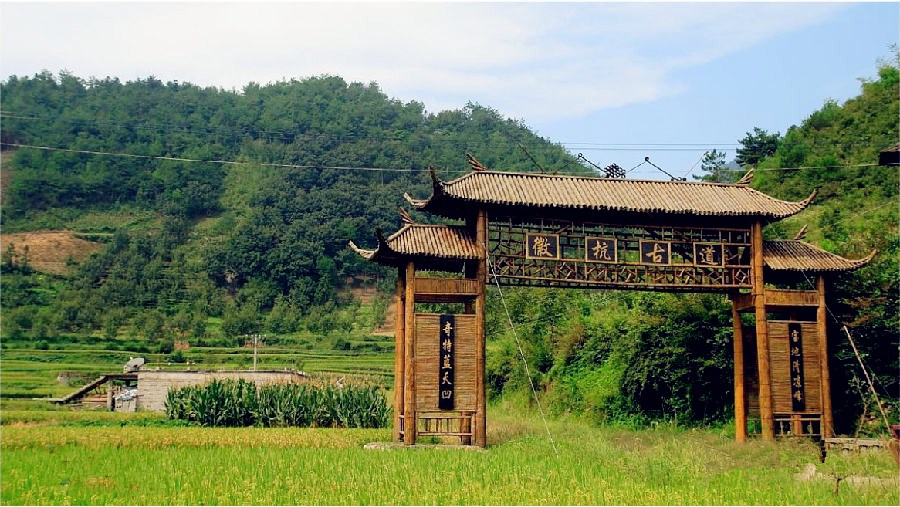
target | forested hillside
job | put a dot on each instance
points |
(223, 204)
(235, 208)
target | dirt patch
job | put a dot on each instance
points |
(49, 251)
(365, 295)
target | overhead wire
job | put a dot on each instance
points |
(334, 167)
(433, 137)
(214, 161)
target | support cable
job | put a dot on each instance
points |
(865, 370)
(859, 359)
(522, 355)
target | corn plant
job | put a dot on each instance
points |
(242, 403)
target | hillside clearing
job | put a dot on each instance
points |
(49, 251)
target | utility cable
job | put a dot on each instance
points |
(212, 161)
(348, 168)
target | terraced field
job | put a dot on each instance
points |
(33, 373)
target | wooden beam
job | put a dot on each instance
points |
(791, 298)
(742, 302)
(399, 350)
(821, 324)
(766, 415)
(740, 401)
(409, 358)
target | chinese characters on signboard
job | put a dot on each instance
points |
(542, 246)
(655, 252)
(795, 345)
(600, 249)
(708, 254)
(446, 352)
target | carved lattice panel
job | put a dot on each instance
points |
(577, 254)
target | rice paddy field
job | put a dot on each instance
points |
(65, 457)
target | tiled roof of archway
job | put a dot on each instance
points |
(794, 255)
(457, 197)
(444, 242)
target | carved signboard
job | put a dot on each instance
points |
(445, 383)
(795, 367)
(798, 391)
(445, 366)
(579, 254)
(542, 246)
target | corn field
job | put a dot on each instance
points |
(241, 403)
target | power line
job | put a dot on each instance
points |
(212, 161)
(436, 136)
(343, 168)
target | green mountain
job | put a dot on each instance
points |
(208, 197)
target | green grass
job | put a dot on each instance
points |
(50, 462)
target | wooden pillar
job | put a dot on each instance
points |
(480, 430)
(821, 324)
(399, 350)
(110, 401)
(409, 358)
(796, 425)
(740, 400)
(766, 415)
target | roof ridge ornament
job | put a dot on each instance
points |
(746, 178)
(806, 202)
(475, 164)
(434, 179)
(404, 216)
(801, 234)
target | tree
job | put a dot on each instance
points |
(757, 146)
(715, 168)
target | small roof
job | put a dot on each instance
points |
(454, 199)
(890, 156)
(442, 242)
(794, 255)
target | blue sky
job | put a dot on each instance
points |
(615, 81)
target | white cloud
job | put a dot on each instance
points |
(526, 60)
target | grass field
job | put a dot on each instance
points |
(65, 457)
(52, 455)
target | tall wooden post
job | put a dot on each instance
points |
(409, 358)
(480, 394)
(399, 350)
(766, 415)
(110, 401)
(740, 401)
(821, 324)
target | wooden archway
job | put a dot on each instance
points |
(579, 232)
